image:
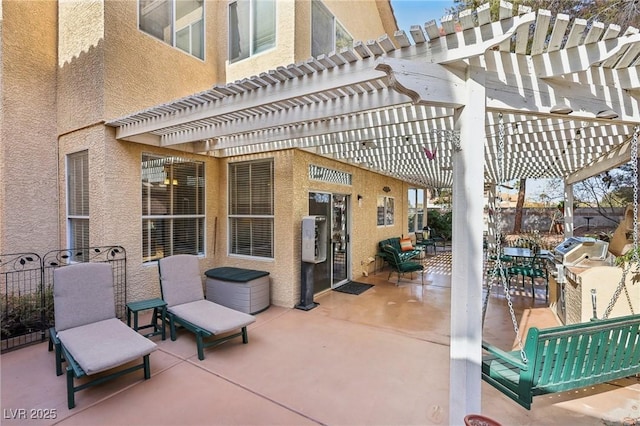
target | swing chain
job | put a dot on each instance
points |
(634, 168)
(498, 264)
(636, 256)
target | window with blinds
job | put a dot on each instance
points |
(252, 28)
(173, 207)
(78, 200)
(251, 208)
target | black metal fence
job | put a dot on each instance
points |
(26, 290)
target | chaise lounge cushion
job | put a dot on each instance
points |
(211, 316)
(79, 304)
(181, 280)
(106, 344)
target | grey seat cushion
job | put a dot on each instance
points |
(83, 294)
(211, 316)
(105, 344)
(180, 279)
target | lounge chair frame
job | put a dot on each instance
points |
(200, 332)
(98, 279)
(74, 371)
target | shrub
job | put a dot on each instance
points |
(22, 314)
(440, 223)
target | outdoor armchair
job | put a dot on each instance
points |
(181, 286)
(399, 266)
(87, 334)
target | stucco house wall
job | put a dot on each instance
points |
(28, 146)
(291, 192)
(80, 64)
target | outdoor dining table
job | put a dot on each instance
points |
(526, 253)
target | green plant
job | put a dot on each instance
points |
(629, 257)
(440, 223)
(23, 313)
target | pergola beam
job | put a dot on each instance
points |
(402, 121)
(608, 161)
(526, 94)
(360, 72)
(220, 127)
(580, 58)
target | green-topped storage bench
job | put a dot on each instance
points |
(245, 290)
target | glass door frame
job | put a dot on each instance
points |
(335, 242)
(340, 240)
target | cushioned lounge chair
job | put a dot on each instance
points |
(87, 334)
(181, 285)
(400, 266)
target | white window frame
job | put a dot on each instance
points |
(187, 21)
(161, 173)
(232, 216)
(336, 24)
(252, 48)
(75, 217)
(386, 217)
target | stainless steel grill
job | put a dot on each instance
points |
(582, 252)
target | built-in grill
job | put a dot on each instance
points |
(573, 255)
(582, 252)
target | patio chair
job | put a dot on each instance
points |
(401, 267)
(421, 241)
(181, 287)
(87, 334)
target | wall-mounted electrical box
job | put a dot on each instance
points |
(314, 239)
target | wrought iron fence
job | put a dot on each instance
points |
(26, 290)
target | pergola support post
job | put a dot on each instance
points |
(466, 281)
(568, 210)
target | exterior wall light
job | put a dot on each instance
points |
(561, 109)
(607, 114)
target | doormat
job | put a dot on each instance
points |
(353, 287)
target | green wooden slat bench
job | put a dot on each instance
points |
(565, 358)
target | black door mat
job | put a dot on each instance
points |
(353, 287)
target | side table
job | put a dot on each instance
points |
(159, 307)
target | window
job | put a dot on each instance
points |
(328, 34)
(416, 209)
(385, 211)
(186, 31)
(78, 199)
(252, 28)
(172, 207)
(251, 208)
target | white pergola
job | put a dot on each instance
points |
(565, 92)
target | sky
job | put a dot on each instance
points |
(417, 12)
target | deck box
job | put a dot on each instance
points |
(245, 290)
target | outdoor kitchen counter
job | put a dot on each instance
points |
(604, 279)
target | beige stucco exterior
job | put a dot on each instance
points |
(79, 64)
(28, 148)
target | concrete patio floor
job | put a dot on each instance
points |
(378, 358)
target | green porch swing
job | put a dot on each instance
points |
(567, 357)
